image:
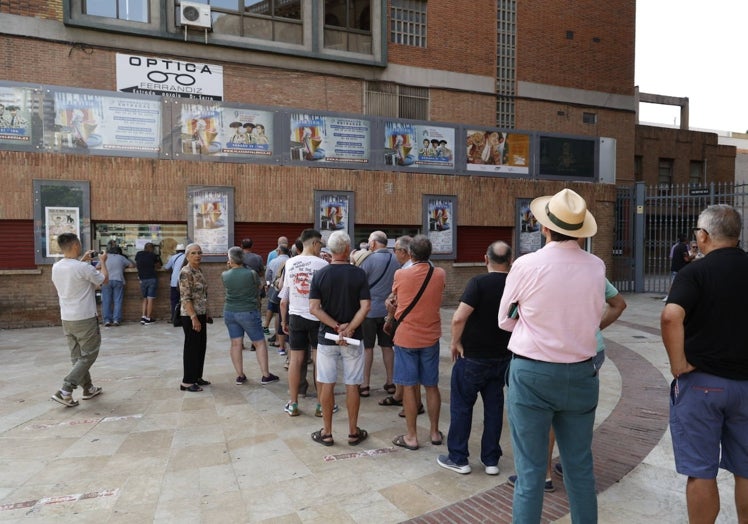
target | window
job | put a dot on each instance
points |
(589, 118)
(348, 25)
(275, 20)
(131, 237)
(696, 172)
(398, 101)
(506, 46)
(665, 173)
(408, 22)
(131, 10)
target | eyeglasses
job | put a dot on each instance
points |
(196, 252)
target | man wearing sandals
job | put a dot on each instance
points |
(339, 298)
(417, 338)
(380, 267)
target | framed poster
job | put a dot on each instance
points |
(333, 211)
(528, 230)
(440, 225)
(494, 151)
(325, 139)
(59, 220)
(210, 220)
(418, 146)
(60, 206)
(572, 158)
(16, 117)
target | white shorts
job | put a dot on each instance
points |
(353, 364)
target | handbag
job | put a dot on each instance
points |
(176, 317)
(391, 323)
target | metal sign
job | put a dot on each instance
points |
(165, 77)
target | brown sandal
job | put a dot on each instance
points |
(364, 391)
(358, 437)
(321, 438)
(389, 388)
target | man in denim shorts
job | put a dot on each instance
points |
(702, 332)
(296, 320)
(340, 299)
(417, 339)
(148, 262)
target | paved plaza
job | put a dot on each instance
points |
(144, 451)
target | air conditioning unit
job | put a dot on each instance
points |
(194, 14)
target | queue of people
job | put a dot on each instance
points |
(517, 326)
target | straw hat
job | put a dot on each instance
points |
(565, 213)
(180, 247)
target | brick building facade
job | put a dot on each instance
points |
(574, 75)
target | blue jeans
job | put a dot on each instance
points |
(112, 292)
(471, 376)
(541, 394)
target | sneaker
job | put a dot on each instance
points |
(269, 379)
(548, 487)
(445, 462)
(91, 392)
(116, 323)
(492, 470)
(107, 324)
(266, 331)
(281, 352)
(558, 469)
(292, 408)
(64, 400)
(146, 321)
(143, 320)
(318, 410)
(241, 380)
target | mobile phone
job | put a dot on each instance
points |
(514, 310)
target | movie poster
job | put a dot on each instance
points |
(15, 115)
(59, 220)
(334, 212)
(529, 234)
(211, 210)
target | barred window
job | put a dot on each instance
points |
(408, 22)
(506, 25)
(398, 101)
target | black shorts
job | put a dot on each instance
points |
(373, 331)
(302, 333)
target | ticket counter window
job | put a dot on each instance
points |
(132, 237)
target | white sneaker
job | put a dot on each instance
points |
(64, 400)
(491, 470)
(91, 392)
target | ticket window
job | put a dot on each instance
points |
(132, 237)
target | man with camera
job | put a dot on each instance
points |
(76, 282)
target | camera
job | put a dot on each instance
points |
(94, 254)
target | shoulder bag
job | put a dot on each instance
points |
(391, 323)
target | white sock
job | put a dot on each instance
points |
(65, 393)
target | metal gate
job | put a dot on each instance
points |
(648, 222)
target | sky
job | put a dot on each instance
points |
(697, 50)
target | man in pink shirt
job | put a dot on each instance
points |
(552, 304)
(417, 338)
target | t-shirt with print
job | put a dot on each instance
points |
(297, 283)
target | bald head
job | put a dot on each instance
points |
(499, 256)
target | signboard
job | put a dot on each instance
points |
(149, 75)
(220, 131)
(321, 139)
(497, 151)
(92, 122)
(424, 146)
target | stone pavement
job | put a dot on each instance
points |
(144, 451)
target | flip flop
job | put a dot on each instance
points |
(358, 437)
(390, 401)
(400, 441)
(440, 441)
(321, 438)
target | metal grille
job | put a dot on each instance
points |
(643, 240)
(393, 100)
(408, 22)
(506, 46)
